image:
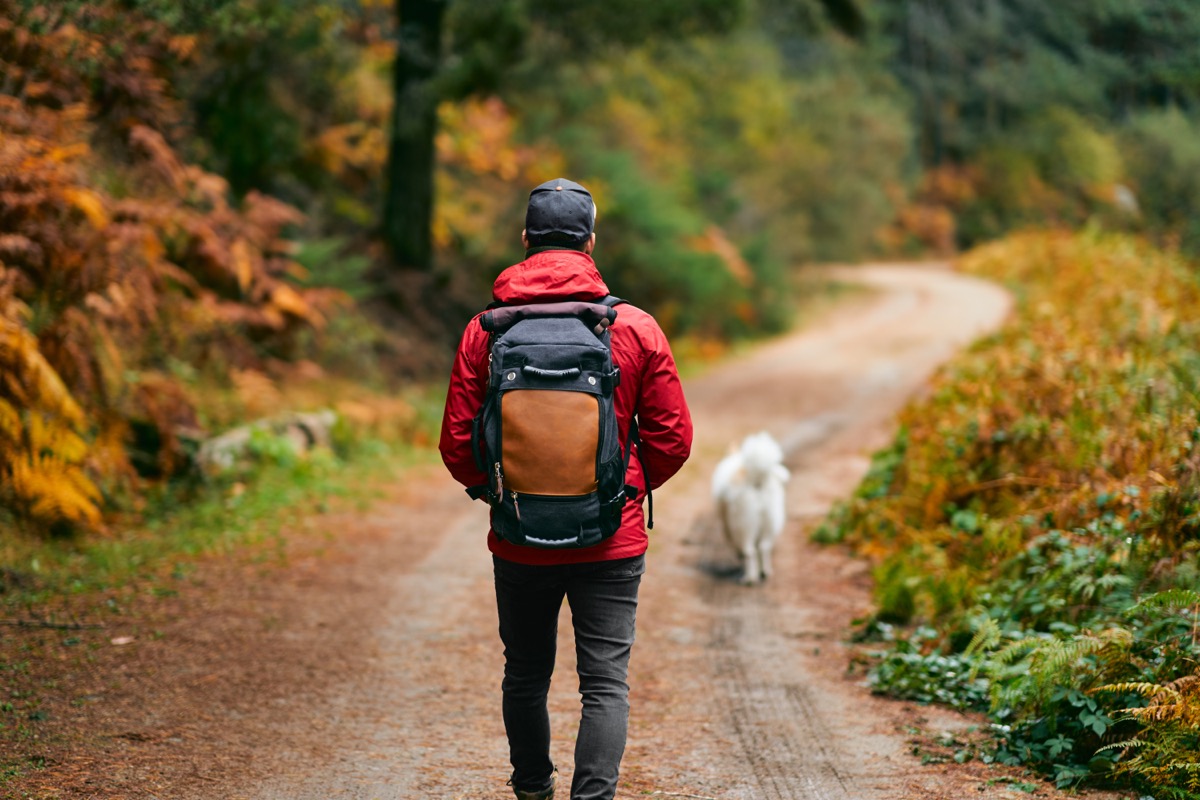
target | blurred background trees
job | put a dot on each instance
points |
(1028, 113)
(213, 211)
(206, 202)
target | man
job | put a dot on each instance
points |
(600, 582)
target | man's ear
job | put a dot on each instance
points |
(591, 244)
(524, 239)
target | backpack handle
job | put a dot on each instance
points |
(498, 320)
(573, 372)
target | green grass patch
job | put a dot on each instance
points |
(250, 508)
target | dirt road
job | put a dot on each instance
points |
(738, 693)
(372, 670)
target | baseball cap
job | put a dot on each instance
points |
(560, 212)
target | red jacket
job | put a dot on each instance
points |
(649, 389)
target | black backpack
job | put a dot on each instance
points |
(546, 435)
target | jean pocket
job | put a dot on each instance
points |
(624, 568)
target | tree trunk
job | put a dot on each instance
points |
(408, 201)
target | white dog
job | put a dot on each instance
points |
(748, 486)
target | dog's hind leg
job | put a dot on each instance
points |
(751, 571)
(765, 547)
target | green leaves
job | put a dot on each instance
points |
(1059, 506)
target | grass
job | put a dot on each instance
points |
(223, 517)
(249, 508)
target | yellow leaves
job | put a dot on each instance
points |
(40, 449)
(353, 146)
(1177, 701)
(477, 135)
(482, 173)
(40, 469)
(10, 423)
(243, 265)
(49, 435)
(89, 203)
(51, 489)
(715, 241)
(27, 378)
(288, 300)
(67, 153)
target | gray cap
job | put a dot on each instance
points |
(560, 212)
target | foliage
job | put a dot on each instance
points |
(111, 278)
(1024, 103)
(147, 290)
(915, 668)
(716, 162)
(1162, 153)
(978, 69)
(1040, 509)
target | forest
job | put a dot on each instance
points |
(232, 215)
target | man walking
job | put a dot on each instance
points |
(599, 581)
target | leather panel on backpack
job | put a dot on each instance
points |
(550, 441)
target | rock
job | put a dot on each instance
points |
(305, 430)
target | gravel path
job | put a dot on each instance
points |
(369, 666)
(738, 693)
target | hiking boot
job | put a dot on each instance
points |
(544, 794)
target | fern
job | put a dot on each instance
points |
(1168, 746)
(170, 270)
(1170, 598)
(986, 638)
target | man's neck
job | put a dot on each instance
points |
(544, 247)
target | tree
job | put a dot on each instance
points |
(485, 42)
(408, 201)
(978, 68)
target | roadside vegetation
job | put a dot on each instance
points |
(1035, 526)
(203, 227)
(191, 240)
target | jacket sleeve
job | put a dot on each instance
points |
(468, 387)
(664, 421)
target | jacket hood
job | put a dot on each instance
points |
(550, 275)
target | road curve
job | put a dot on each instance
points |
(738, 693)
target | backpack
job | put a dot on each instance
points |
(546, 435)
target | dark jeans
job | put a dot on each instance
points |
(603, 600)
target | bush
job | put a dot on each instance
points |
(1162, 150)
(1040, 499)
(1056, 168)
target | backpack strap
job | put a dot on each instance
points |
(631, 439)
(634, 437)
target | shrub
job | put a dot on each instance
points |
(116, 273)
(1162, 150)
(1042, 496)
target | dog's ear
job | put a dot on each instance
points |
(782, 473)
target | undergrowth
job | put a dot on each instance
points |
(246, 508)
(1037, 519)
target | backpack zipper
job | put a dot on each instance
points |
(516, 505)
